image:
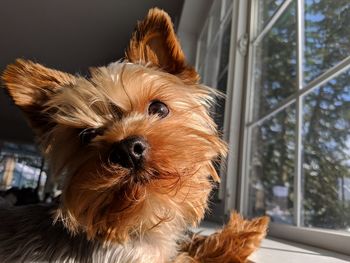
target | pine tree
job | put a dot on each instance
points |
(326, 115)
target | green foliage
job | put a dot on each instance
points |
(326, 114)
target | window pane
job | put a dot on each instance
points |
(226, 7)
(219, 115)
(20, 168)
(211, 65)
(203, 42)
(275, 64)
(266, 10)
(327, 32)
(272, 167)
(326, 155)
(225, 47)
(215, 16)
(219, 118)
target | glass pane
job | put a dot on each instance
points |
(266, 10)
(225, 47)
(327, 31)
(211, 65)
(215, 16)
(275, 64)
(219, 115)
(219, 118)
(326, 155)
(203, 41)
(226, 7)
(20, 168)
(272, 167)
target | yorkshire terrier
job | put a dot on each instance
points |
(135, 145)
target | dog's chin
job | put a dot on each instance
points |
(114, 211)
(116, 204)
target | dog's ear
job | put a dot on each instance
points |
(31, 86)
(154, 42)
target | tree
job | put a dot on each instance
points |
(326, 115)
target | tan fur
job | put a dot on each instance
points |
(232, 244)
(30, 85)
(102, 200)
(154, 41)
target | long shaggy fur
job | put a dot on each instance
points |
(232, 244)
(116, 213)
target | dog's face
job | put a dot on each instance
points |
(135, 141)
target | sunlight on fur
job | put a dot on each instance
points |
(135, 145)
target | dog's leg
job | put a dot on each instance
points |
(234, 243)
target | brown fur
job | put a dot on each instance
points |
(30, 85)
(154, 41)
(104, 201)
(232, 244)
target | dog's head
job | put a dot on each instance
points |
(134, 142)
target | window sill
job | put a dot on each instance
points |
(276, 251)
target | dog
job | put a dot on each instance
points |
(134, 146)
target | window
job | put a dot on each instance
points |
(297, 124)
(290, 138)
(21, 166)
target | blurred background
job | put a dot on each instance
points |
(284, 66)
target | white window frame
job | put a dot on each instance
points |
(238, 125)
(238, 178)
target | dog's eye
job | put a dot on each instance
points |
(159, 108)
(88, 134)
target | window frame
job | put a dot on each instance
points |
(329, 239)
(237, 125)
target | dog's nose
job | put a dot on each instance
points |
(129, 152)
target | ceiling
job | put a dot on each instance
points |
(67, 35)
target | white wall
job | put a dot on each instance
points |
(194, 14)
